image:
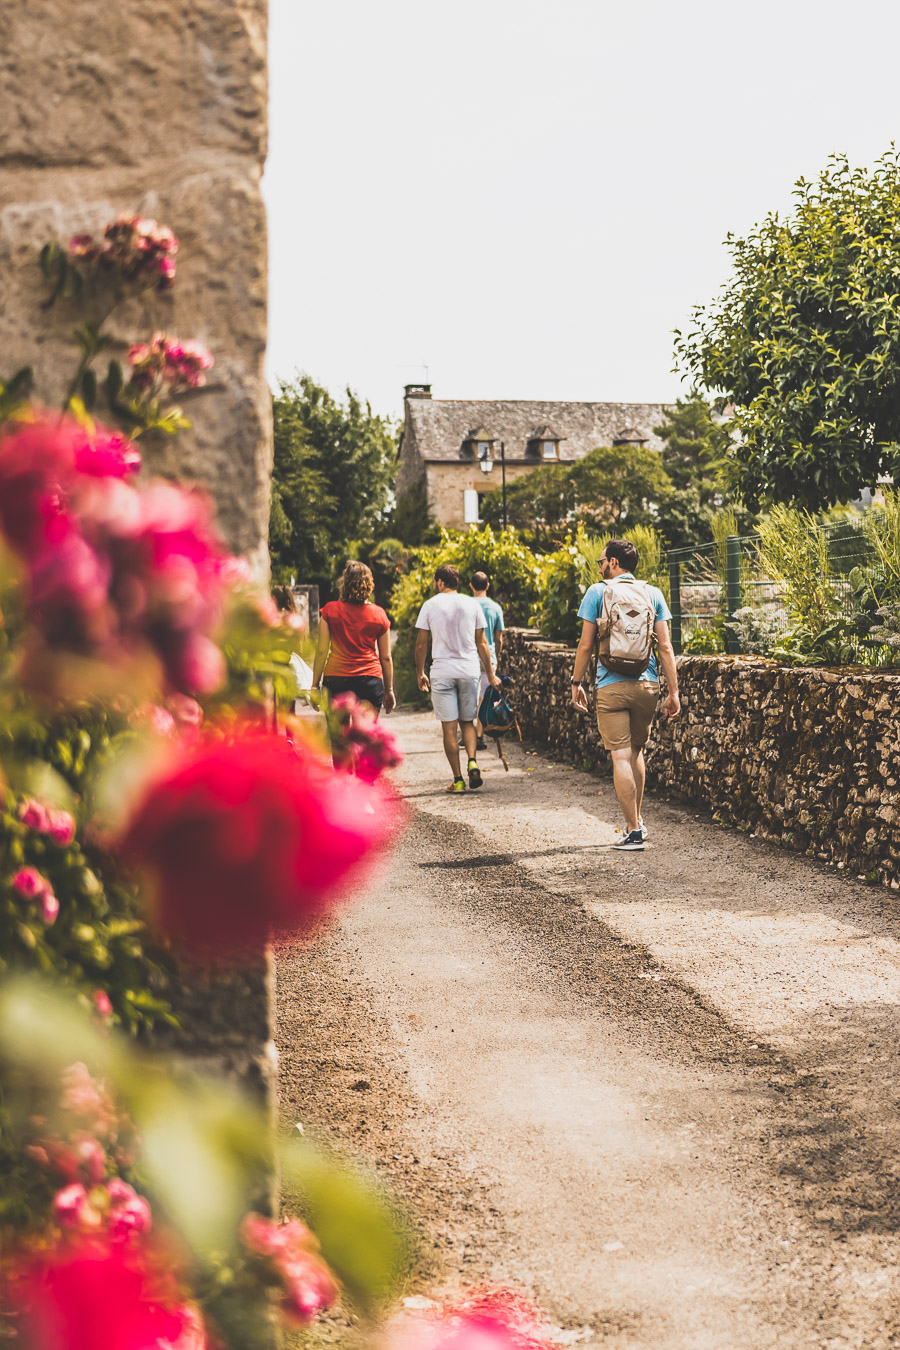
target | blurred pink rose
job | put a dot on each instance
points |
(91, 1294)
(482, 1320)
(102, 1003)
(49, 907)
(129, 1213)
(249, 835)
(73, 1208)
(60, 827)
(29, 883)
(86, 1097)
(33, 814)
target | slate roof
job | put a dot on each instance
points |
(441, 425)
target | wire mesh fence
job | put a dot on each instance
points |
(709, 583)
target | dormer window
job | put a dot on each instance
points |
(543, 443)
(630, 436)
(479, 444)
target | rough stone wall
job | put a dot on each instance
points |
(158, 110)
(809, 758)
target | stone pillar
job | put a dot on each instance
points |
(159, 110)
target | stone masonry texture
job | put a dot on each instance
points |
(808, 758)
(158, 110)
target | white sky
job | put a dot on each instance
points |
(531, 195)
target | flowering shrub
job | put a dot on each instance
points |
(361, 743)
(132, 249)
(111, 570)
(289, 1253)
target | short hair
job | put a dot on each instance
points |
(356, 584)
(624, 552)
(479, 581)
(449, 575)
(285, 599)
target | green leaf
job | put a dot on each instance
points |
(114, 381)
(360, 1238)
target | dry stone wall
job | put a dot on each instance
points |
(809, 758)
(157, 110)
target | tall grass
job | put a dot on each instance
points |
(793, 550)
(651, 566)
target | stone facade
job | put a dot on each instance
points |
(809, 758)
(437, 442)
(162, 112)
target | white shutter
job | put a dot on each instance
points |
(470, 506)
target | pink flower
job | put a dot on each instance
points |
(309, 1286)
(60, 827)
(483, 1320)
(186, 711)
(107, 454)
(129, 1214)
(34, 815)
(249, 835)
(159, 720)
(235, 572)
(95, 1295)
(49, 907)
(268, 1237)
(102, 1003)
(73, 1208)
(90, 1157)
(87, 1098)
(29, 883)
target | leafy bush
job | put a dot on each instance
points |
(793, 550)
(757, 630)
(561, 592)
(705, 640)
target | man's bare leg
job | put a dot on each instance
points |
(450, 733)
(625, 786)
(470, 738)
(639, 770)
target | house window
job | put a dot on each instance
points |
(550, 449)
(471, 512)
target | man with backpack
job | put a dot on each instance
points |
(630, 619)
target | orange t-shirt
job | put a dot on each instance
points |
(355, 630)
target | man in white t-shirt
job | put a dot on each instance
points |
(459, 651)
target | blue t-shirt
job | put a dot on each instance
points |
(493, 622)
(591, 607)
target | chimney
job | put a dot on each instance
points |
(416, 391)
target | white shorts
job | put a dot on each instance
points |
(455, 700)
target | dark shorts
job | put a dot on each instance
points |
(367, 688)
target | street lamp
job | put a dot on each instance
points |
(487, 465)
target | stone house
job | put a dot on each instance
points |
(455, 444)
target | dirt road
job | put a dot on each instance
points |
(659, 1091)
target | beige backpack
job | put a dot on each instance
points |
(625, 627)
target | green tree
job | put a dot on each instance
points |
(331, 479)
(695, 457)
(805, 340)
(609, 488)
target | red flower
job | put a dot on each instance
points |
(482, 1320)
(93, 1295)
(250, 835)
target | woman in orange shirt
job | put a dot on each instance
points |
(354, 650)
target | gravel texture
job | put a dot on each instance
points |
(658, 1090)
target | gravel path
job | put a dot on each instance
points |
(658, 1091)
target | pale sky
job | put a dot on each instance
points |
(530, 196)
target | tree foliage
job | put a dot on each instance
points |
(805, 340)
(610, 489)
(331, 479)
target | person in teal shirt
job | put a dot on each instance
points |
(493, 630)
(626, 704)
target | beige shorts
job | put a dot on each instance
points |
(625, 712)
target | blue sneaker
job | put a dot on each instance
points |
(630, 843)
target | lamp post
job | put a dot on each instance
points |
(503, 478)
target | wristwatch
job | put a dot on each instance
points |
(576, 682)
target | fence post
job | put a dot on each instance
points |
(675, 602)
(732, 589)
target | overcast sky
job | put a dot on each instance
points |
(530, 195)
